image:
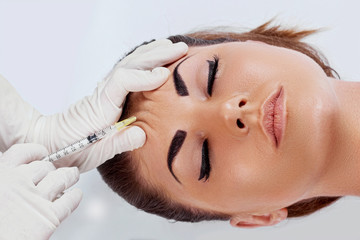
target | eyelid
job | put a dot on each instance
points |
(213, 68)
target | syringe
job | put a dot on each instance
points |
(76, 146)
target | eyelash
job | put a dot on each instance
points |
(205, 162)
(213, 68)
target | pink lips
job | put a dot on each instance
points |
(274, 116)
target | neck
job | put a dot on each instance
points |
(341, 175)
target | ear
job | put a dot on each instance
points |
(259, 220)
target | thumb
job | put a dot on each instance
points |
(127, 140)
(23, 153)
(133, 80)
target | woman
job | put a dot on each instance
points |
(251, 127)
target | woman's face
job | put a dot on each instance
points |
(212, 128)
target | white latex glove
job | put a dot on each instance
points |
(30, 207)
(139, 71)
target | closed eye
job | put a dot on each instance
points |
(205, 162)
(213, 68)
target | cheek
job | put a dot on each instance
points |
(312, 110)
(255, 178)
(259, 183)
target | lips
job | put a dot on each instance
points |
(274, 116)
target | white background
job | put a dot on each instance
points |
(54, 53)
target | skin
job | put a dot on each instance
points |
(251, 179)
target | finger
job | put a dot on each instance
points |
(155, 57)
(67, 203)
(129, 139)
(138, 80)
(126, 140)
(152, 45)
(135, 56)
(132, 80)
(23, 153)
(36, 170)
(57, 181)
(161, 56)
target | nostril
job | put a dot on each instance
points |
(239, 123)
(242, 103)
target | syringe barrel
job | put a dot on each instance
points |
(79, 144)
(67, 150)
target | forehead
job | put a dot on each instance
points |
(153, 112)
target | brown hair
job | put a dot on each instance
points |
(120, 173)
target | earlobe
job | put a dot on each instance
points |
(259, 220)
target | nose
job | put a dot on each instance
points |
(233, 114)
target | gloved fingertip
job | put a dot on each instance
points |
(182, 47)
(155, 44)
(77, 193)
(137, 137)
(163, 72)
(75, 173)
(72, 199)
(43, 150)
(163, 41)
(157, 77)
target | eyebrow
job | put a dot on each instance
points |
(180, 85)
(174, 148)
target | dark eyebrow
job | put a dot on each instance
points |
(174, 148)
(180, 86)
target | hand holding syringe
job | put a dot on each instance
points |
(81, 144)
(138, 72)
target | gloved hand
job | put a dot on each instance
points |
(31, 207)
(138, 71)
